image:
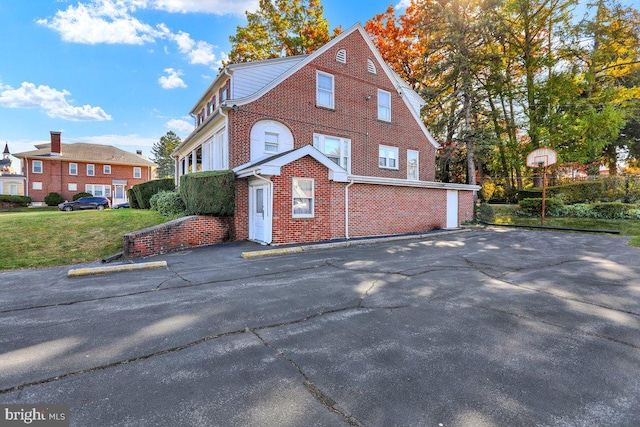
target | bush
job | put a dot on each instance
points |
(145, 190)
(53, 199)
(132, 199)
(614, 210)
(483, 212)
(82, 194)
(532, 193)
(168, 203)
(209, 193)
(18, 200)
(533, 207)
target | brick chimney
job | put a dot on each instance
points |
(55, 143)
(139, 152)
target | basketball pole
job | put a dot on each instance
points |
(544, 189)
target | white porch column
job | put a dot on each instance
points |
(186, 165)
(194, 161)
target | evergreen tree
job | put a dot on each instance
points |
(162, 154)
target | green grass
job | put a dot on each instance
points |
(44, 237)
(505, 214)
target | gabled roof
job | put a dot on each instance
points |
(83, 152)
(401, 86)
(271, 165)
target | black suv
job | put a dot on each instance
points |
(99, 203)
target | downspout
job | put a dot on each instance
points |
(226, 119)
(26, 174)
(269, 203)
(346, 210)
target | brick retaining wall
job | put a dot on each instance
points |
(179, 234)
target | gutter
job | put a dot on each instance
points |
(346, 209)
(410, 183)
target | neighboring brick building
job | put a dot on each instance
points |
(68, 169)
(327, 145)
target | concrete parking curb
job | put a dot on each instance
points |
(347, 243)
(116, 268)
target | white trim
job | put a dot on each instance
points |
(76, 165)
(33, 166)
(312, 198)
(333, 89)
(389, 149)
(384, 106)
(411, 183)
(134, 172)
(417, 164)
(272, 167)
(104, 169)
(93, 166)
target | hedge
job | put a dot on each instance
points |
(145, 190)
(168, 203)
(132, 199)
(533, 207)
(209, 193)
(576, 192)
(20, 200)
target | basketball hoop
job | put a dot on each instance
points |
(542, 158)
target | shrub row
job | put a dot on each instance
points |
(168, 204)
(143, 192)
(20, 200)
(606, 210)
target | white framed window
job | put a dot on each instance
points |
(413, 160)
(371, 67)
(337, 149)
(270, 142)
(36, 166)
(91, 170)
(341, 56)
(384, 105)
(388, 157)
(303, 197)
(73, 169)
(324, 89)
(72, 187)
(106, 169)
(98, 190)
(36, 185)
(137, 172)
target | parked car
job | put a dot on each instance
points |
(99, 203)
(122, 206)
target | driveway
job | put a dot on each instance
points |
(493, 327)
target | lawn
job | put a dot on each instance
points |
(505, 214)
(45, 238)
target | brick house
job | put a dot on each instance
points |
(324, 146)
(68, 169)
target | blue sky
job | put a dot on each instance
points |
(119, 72)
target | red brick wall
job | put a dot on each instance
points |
(55, 177)
(293, 102)
(182, 233)
(383, 209)
(465, 206)
(328, 220)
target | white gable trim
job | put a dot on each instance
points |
(272, 167)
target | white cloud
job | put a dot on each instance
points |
(172, 80)
(217, 7)
(112, 22)
(403, 4)
(101, 21)
(52, 101)
(181, 126)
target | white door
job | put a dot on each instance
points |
(259, 215)
(452, 209)
(119, 195)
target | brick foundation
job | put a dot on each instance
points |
(179, 234)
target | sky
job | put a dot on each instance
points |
(119, 72)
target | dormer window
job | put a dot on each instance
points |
(371, 67)
(341, 56)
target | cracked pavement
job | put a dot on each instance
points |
(488, 328)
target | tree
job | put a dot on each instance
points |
(281, 28)
(162, 154)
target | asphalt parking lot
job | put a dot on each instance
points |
(494, 327)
